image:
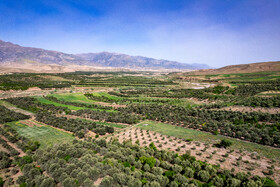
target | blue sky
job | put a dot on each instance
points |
(213, 32)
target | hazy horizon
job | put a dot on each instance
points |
(216, 33)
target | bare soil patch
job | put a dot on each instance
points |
(98, 182)
(5, 175)
(111, 105)
(30, 123)
(3, 149)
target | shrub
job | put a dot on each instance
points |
(224, 143)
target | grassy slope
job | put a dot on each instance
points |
(45, 135)
(184, 133)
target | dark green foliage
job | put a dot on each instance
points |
(224, 143)
(32, 104)
(267, 182)
(117, 117)
(1, 182)
(54, 99)
(152, 146)
(169, 173)
(78, 127)
(23, 81)
(9, 115)
(5, 160)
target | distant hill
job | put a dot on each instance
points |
(242, 68)
(121, 60)
(12, 55)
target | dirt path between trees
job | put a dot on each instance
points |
(13, 146)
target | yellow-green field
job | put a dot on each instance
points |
(44, 134)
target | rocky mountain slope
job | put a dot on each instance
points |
(12, 54)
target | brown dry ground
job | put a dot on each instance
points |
(6, 173)
(204, 152)
(251, 109)
(98, 182)
(111, 105)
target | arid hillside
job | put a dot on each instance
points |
(242, 68)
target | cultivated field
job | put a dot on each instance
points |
(160, 130)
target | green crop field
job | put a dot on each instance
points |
(43, 100)
(71, 107)
(73, 97)
(45, 135)
(120, 126)
(112, 125)
(104, 94)
(184, 133)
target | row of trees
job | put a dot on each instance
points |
(54, 99)
(10, 149)
(121, 99)
(23, 81)
(9, 157)
(77, 126)
(179, 114)
(254, 87)
(242, 94)
(32, 104)
(22, 142)
(5, 160)
(240, 125)
(117, 117)
(260, 102)
(9, 115)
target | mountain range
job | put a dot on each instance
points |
(36, 59)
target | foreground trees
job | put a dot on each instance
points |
(126, 165)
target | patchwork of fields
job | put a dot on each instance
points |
(158, 131)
